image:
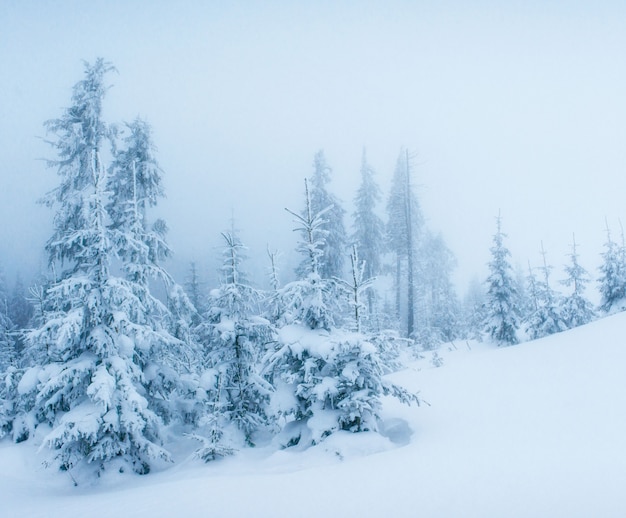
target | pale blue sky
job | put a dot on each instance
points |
(518, 106)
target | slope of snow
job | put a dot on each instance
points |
(537, 429)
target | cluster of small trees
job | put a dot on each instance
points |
(515, 310)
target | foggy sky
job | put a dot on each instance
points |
(511, 106)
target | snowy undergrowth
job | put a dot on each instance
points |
(537, 429)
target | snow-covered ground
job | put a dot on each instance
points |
(534, 430)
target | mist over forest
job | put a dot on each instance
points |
(514, 109)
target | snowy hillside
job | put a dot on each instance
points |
(537, 429)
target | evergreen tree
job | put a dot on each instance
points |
(369, 229)
(7, 331)
(90, 386)
(335, 381)
(501, 306)
(135, 184)
(235, 338)
(7, 345)
(404, 226)
(14, 317)
(356, 288)
(310, 300)
(575, 309)
(546, 319)
(335, 240)
(613, 279)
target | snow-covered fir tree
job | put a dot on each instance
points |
(356, 288)
(501, 305)
(404, 226)
(15, 314)
(135, 184)
(612, 281)
(576, 310)
(94, 335)
(335, 380)
(8, 352)
(369, 228)
(310, 299)
(546, 319)
(334, 247)
(235, 338)
(7, 345)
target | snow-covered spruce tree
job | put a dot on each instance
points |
(165, 346)
(7, 328)
(10, 371)
(310, 299)
(10, 400)
(576, 310)
(8, 361)
(336, 382)
(10, 357)
(325, 379)
(404, 226)
(187, 399)
(135, 185)
(501, 305)
(179, 321)
(369, 229)
(354, 291)
(613, 276)
(356, 288)
(235, 337)
(333, 249)
(546, 319)
(90, 388)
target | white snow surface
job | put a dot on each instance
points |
(533, 430)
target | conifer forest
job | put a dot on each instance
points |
(105, 352)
